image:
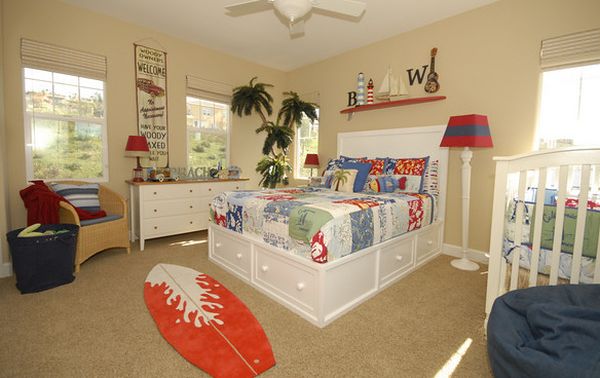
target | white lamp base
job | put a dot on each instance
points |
(464, 264)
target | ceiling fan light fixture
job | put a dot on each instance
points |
(292, 9)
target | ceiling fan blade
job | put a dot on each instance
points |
(297, 27)
(246, 7)
(348, 7)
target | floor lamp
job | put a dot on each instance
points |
(471, 130)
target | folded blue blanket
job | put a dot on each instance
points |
(551, 331)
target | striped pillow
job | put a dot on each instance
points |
(82, 196)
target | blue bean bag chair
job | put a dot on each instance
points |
(549, 331)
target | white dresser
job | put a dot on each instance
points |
(167, 208)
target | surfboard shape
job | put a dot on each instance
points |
(206, 323)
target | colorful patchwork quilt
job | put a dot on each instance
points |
(320, 223)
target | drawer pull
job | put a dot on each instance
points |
(191, 191)
(264, 268)
(237, 187)
(239, 256)
(191, 207)
(156, 227)
(155, 210)
(300, 286)
(429, 242)
(210, 189)
(154, 193)
(191, 222)
(399, 258)
(218, 244)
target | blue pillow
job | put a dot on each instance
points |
(361, 177)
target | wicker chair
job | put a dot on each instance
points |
(98, 237)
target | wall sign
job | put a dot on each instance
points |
(151, 88)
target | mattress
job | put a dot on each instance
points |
(319, 223)
(588, 259)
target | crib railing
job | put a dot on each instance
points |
(567, 170)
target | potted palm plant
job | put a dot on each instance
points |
(254, 97)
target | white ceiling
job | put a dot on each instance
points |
(263, 37)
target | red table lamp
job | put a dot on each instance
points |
(311, 161)
(471, 130)
(137, 146)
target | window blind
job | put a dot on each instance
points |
(571, 49)
(54, 58)
(209, 90)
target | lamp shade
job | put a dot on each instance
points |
(137, 146)
(471, 130)
(311, 161)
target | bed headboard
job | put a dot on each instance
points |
(400, 143)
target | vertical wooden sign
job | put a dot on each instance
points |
(151, 99)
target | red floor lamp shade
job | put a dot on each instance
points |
(471, 130)
(137, 146)
(311, 161)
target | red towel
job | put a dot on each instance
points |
(42, 205)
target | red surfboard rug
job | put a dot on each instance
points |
(206, 323)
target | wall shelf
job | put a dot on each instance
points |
(390, 104)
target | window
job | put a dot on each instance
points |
(65, 126)
(207, 133)
(307, 142)
(569, 112)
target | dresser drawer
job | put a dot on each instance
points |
(395, 258)
(428, 242)
(182, 206)
(293, 282)
(178, 224)
(170, 191)
(220, 186)
(235, 254)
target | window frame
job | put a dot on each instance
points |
(228, 132)
(298, 166)
(539, 131)
(28, 116)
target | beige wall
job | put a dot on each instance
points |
(58, 23)
(487, 61)
(3, 176)
(488, 64)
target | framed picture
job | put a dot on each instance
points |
(151, 99)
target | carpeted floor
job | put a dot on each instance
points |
(99, 325)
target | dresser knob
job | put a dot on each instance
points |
(399, 258)
(239, 256)
(264, 268)
(156, 227)
(210, 189)
(237, 187)
(191, 191)
(191, 222)
(300, 286)
(154, 193)
(218, 244)
(191, 207)
(429, 242)
(155, 210)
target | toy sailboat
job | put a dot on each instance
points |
(392, 88)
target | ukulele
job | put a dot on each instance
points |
(432, 85)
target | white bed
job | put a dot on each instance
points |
(565, 170)
(320, 293)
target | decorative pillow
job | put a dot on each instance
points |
(343, 180)
(331, 166)
(361, 177)
(82, 196)
(383, 184)
(350, 159)
(431, 181)
(377, 165)
(414, 171)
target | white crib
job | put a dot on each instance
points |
(570, 175)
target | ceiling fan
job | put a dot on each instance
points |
(295, 10)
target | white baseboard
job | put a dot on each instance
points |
(5, 270)
(472, 254)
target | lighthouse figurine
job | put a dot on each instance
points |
(370, 92)
(360, 89)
